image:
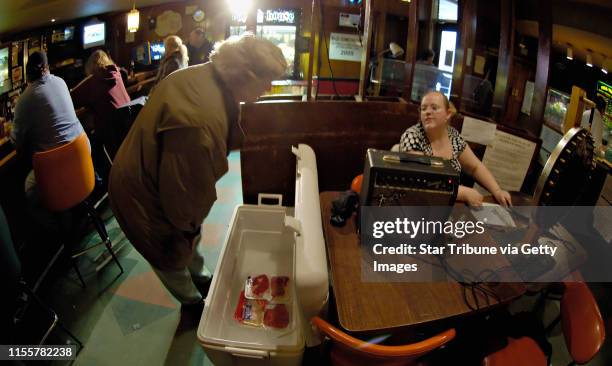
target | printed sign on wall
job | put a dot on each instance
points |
(345, 47)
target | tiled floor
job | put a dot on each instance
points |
(133, 320)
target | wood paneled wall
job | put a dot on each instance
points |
(339, 133)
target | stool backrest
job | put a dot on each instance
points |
(65, 174)
(583, 326)
(350, 351)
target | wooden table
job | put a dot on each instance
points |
(370, 307)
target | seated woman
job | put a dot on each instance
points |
(433, 136)
(103, 92)
(175, 57)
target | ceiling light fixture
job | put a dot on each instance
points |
(239, 8)
(570, 52)
(53, 20)
(133, 19)
(589, 59)
(604, 67)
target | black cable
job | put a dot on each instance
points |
(474, 284)
(331, 71)
(358, 27)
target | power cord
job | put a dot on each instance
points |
(331, 71)
(474, 284)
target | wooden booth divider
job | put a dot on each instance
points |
(338, 132)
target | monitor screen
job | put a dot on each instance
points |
(64, 34)
(93, 35)
(142, 54)
(5, 81)
(157, 50)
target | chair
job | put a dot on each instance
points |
(583, 326)
(18, 295)
(583, 329)
(347, 350)
(65, 179)
(123, 119)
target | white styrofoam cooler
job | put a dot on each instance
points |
(265, 239)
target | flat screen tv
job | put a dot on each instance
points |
(142, 54)
(5, 78)
(157, 50)
(94, 35)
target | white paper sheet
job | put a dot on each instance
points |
(508, 158)
(345, 47)
(478, 131)
(494, 214)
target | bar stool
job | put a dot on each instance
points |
(349, 351)
(65, 179)
(583, 329)
(18, 296)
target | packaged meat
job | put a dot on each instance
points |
(280, 289)
(276, 316)
(249, 311)
(257, 287)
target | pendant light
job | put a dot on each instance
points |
(133, 19)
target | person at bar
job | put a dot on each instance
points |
(103, 92)
(432, 136)
(175, 57)
(44, 115)
(199, 47)
(162, 182)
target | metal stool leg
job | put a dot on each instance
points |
(56, 321)
(101, 228)
(76, 269)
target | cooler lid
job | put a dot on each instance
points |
(312, 279)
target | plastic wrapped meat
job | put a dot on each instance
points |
(257, 287)
(276, 316)
(280, 289)
(249, 312)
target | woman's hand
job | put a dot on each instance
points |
(502, 197)
(472, 197)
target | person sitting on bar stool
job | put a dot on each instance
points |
(175, 57)
(103, 92)
(162, 183)
(44, 116)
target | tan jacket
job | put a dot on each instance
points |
(162, 182)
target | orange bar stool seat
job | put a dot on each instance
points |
(347, 350)
(64, 179)
(521, 351)
(583, 326)
(583, 329)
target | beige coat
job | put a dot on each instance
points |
(162, 182)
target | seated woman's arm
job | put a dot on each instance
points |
(474, 167)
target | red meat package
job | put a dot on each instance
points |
(257, 287)
(250, 312)
(280, 289)
(276, 316)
